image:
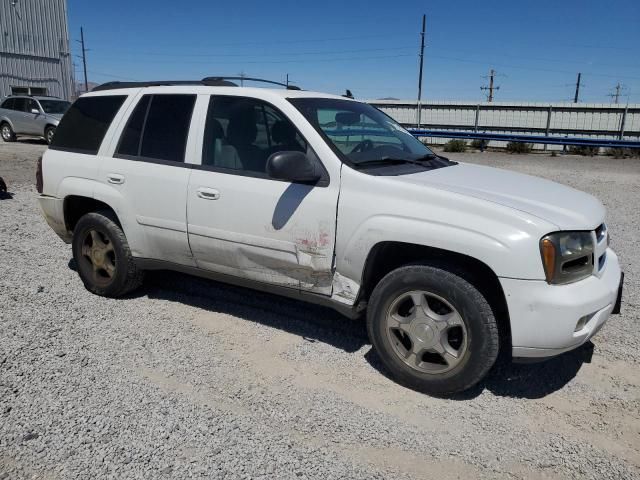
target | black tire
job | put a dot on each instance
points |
(122, 275)
(481, 330)
(48, 134)
(7, 133)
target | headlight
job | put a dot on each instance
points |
(567, 256)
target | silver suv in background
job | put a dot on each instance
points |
(30, 116)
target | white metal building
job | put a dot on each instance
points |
(588, 120)
(35, 57)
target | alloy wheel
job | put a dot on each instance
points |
(427, 333)
(99, 257)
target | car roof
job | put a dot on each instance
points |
(36, 97)
(258, 92)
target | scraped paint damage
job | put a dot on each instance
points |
(345, 290)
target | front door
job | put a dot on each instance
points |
(243, 223)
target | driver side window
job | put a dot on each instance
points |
(242, 133)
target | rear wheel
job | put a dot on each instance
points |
(433, 330)
(103, 257)
(48, 134)
(7, 133)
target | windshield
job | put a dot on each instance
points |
(360, 132)
(54, 106)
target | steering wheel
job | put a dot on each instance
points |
(363, 146)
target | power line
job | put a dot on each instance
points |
(288, 42)
(244, 62)
(211, 55)
(520, 67)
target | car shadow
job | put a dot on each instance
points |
(519, 380)
(314, 323)
(32, 141)
(321, 324)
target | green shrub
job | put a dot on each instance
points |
(455, 146)
(585, 151)
(619, 152)
(518, 147)
(479, 144)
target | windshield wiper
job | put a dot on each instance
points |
(388, 161)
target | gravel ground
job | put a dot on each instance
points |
(191, 378)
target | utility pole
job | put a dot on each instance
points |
(616, 96)
(424, 24)
(491, 87)
(575, 98)
(84, 60)
(287, 80)
(242, 76)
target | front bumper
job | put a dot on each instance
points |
(544, 317)
(53, 211)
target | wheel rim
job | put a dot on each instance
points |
(6, 133)
(49, 135)
(98, 256)
(426, 332)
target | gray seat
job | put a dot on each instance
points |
(217, 151)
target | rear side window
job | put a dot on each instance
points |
(20, 104)
(85, 124)
(158, 128)
(8, 104)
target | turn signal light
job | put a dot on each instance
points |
(548, 250)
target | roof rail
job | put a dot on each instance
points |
(208, 81)
(211, 80)
(157, 83)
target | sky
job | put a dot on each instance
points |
(371, 47)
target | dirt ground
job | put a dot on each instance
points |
(193, 379)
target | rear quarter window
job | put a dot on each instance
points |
(85, 124)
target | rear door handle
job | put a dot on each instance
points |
(115, 178)
(208, 193)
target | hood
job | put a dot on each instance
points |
(565, 207)
(57, 116)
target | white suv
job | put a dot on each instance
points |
(327, 199)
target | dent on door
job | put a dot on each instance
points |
(293, 247)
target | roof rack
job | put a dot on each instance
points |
(212, 80)
(208, 81)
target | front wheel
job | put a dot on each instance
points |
(7, 133)
(48, 134)
(433, 330)
(103, 256)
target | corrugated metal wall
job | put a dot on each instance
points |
(34, 46)
(591, 120)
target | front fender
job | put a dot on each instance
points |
(499, 251)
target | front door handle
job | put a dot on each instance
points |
(208, 193)
(115, 178)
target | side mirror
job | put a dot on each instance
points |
(292, 166)
(35, 111)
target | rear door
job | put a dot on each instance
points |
(149, 170)
(243, 223)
